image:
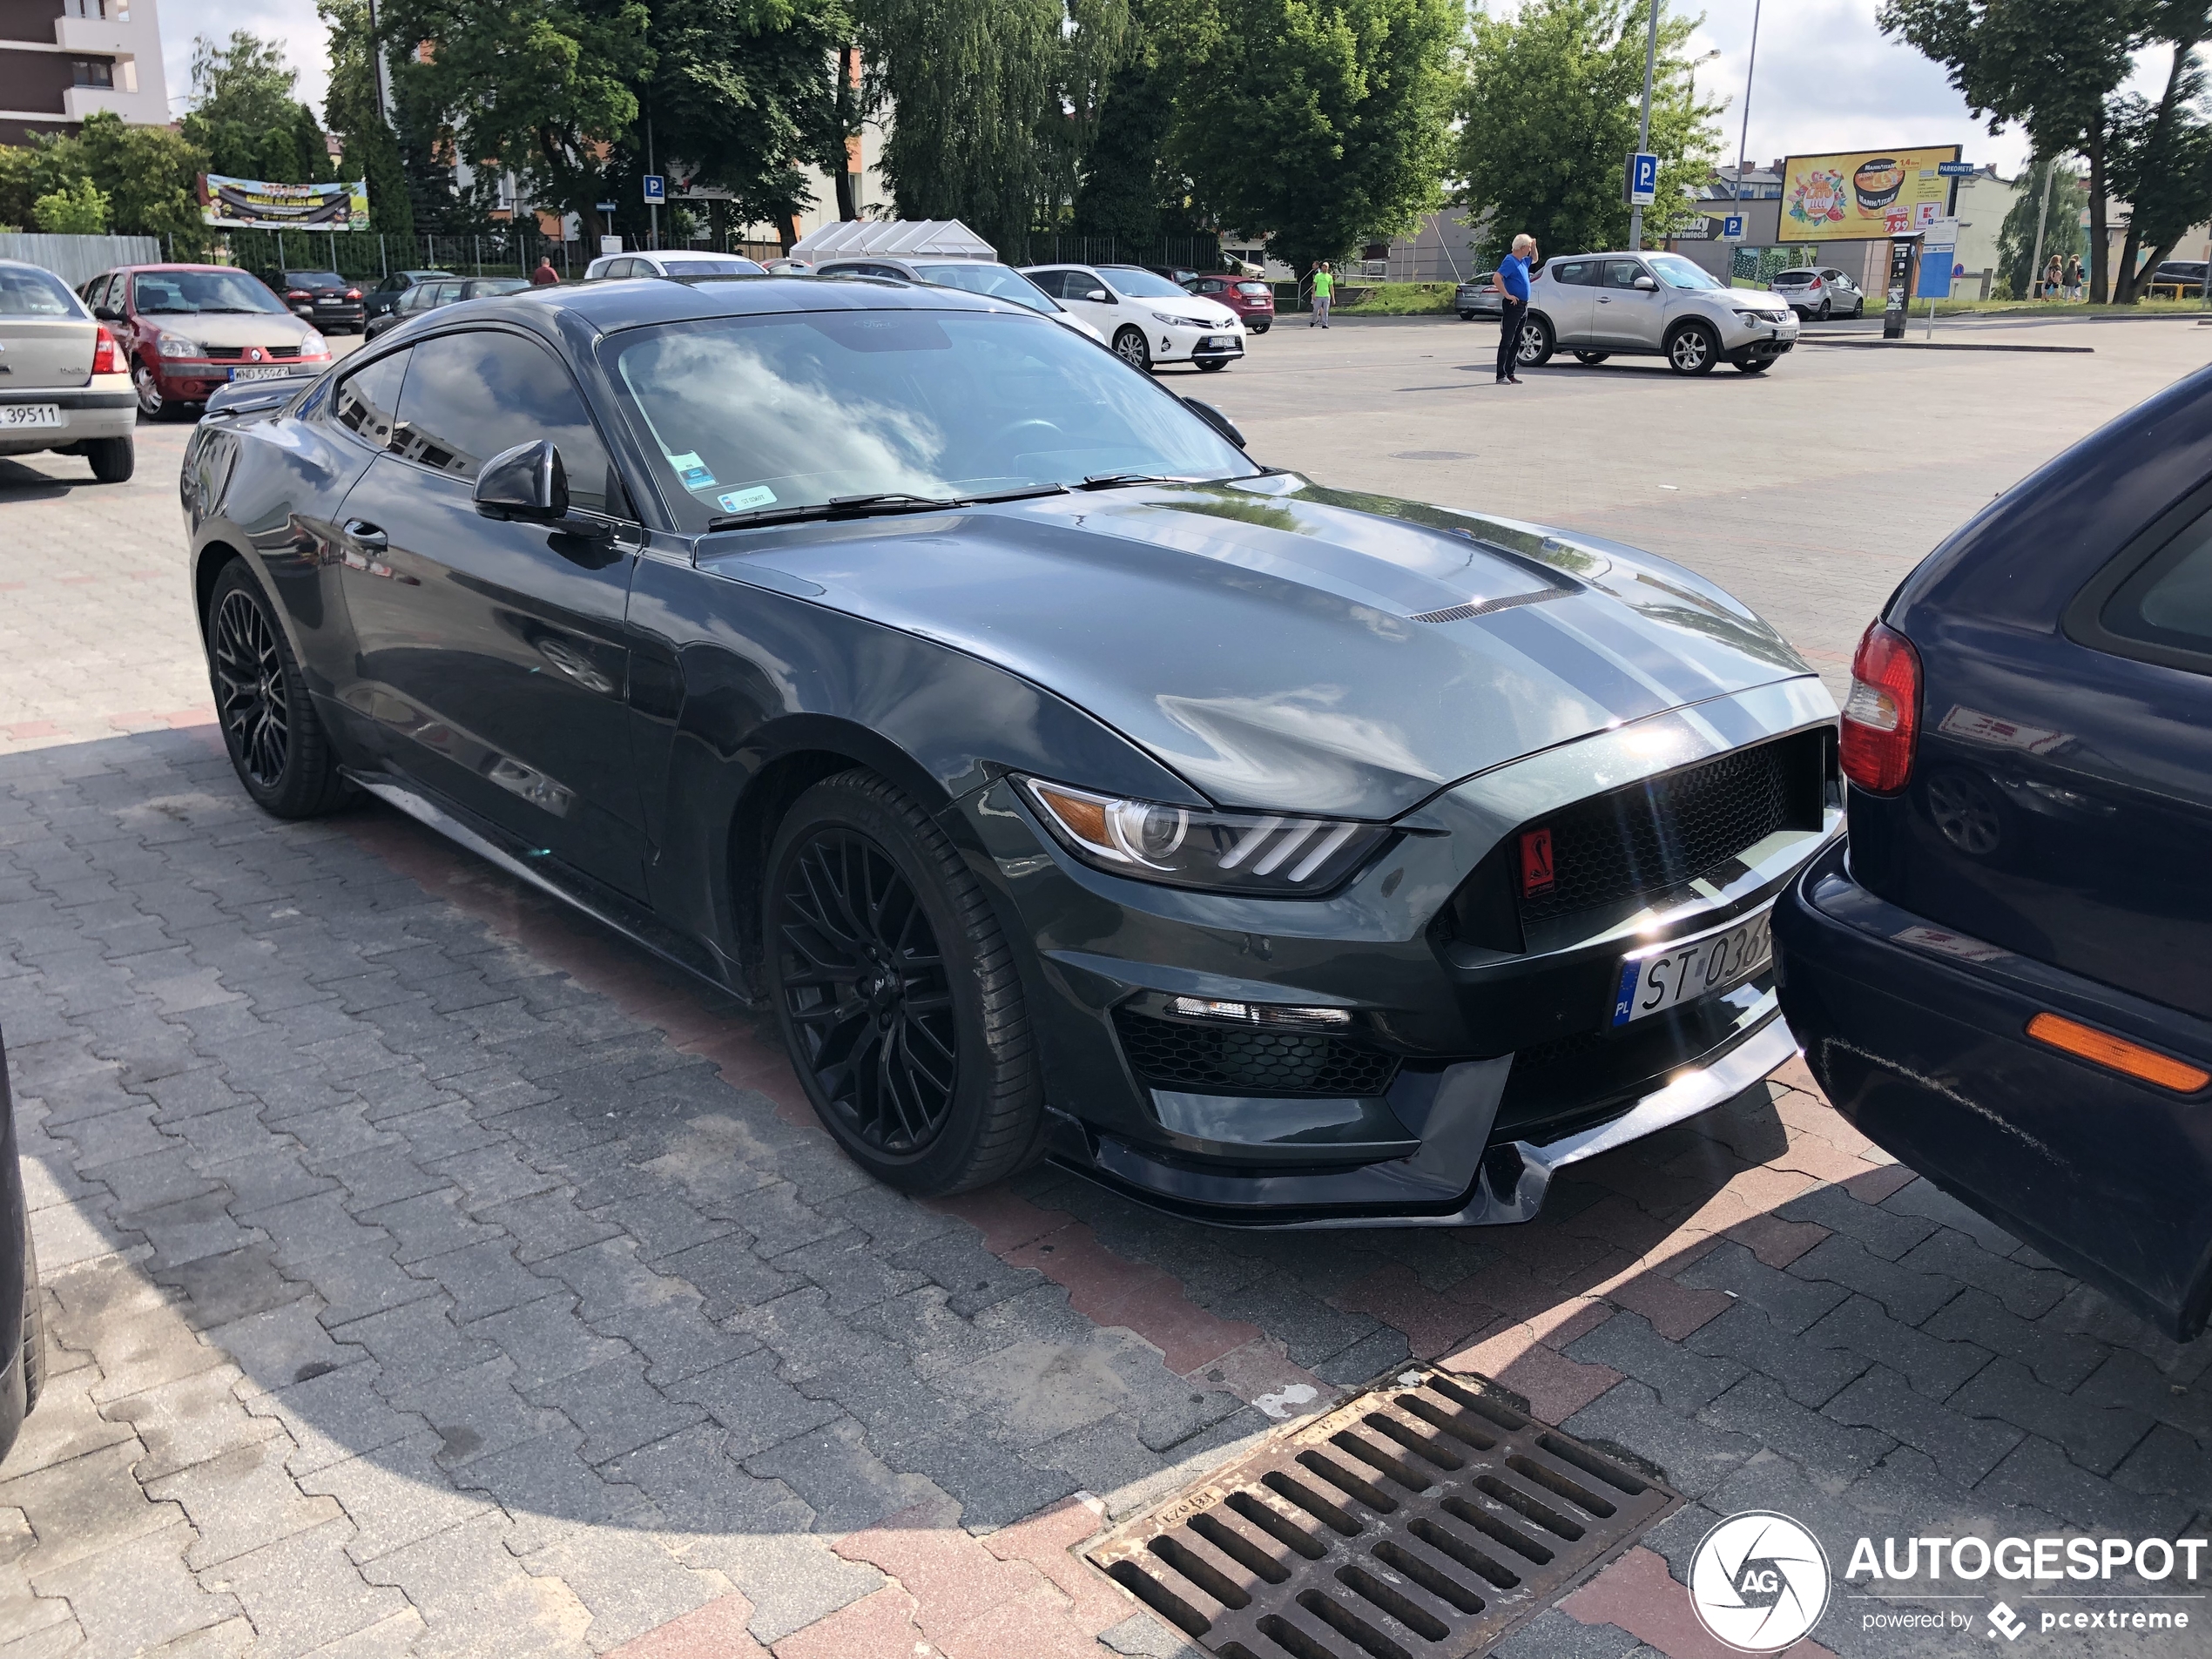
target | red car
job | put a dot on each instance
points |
(186, 330)
(1252, 300)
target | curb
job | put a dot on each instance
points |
(1930, 345)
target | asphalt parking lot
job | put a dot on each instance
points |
(431, 1273)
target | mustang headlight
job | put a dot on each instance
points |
(1255, 852)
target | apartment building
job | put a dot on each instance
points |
(60, 60)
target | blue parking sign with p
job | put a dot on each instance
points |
(1644, 178)
(656, 188)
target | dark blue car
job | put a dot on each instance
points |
(2006, 980)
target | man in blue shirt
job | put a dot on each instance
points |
(1512, 281)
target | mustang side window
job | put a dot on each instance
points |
(475, 395)
(367, 399)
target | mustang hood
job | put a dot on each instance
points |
(1289, 647)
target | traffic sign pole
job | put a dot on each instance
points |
(1643, 129)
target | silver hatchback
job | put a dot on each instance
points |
(63, 383)
(1657, 304)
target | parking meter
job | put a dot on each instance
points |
(1904, 250)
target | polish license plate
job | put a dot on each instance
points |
(1665, 976)
(31, 414)
(262, 372)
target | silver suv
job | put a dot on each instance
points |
(1600, 305)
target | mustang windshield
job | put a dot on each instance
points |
(797, 410)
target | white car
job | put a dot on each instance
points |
(676, 262)
(1146, 319)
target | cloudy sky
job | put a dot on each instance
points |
(1828, 79)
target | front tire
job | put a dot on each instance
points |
(1536, 344)
(151, 403)
(897, 995)
(1693, 350)
(1129, 345)
(1591, 359)
(276, 745)
(113, 459)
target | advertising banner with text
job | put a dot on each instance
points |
(1862, 195)
(256, 204)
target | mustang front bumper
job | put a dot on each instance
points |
(1494, 1068)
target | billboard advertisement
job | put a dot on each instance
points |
(1864, 195)
(256, 204)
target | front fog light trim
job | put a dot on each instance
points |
(1221, 1010)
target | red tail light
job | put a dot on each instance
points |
(352, 294)
(106, 356)
(299, 293)
(1882, 717)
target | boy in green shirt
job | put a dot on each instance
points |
(1325, 286)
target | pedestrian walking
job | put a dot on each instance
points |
(545, 275)
(2053, 278)
(1511, 282)
(2074, 277)
(1325, 287)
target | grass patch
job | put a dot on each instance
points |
(1400, 299)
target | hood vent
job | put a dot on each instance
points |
(1461, 613)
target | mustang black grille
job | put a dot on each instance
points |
(1653, 836)
(1204, 1058)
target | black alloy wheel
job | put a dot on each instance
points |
(1129, 345)
(276, 744)
(898, 996)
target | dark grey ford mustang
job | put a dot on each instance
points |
(1070, 784)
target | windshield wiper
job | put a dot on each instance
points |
(1114, 480)
(861, 506)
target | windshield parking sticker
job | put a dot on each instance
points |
(693, 470)
(738, 500)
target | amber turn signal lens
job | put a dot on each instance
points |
(1084, 816)
(2102, 1047)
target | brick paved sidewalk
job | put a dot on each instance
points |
(431, 1273)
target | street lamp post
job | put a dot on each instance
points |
(1743, 138)
(1643, 130)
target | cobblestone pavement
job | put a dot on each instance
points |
(430, 1273)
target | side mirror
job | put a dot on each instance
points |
(526, 483)
(1646, 285)
(1214, 418)
(1099, 297)
(107, 314)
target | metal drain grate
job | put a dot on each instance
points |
(1421, 1520)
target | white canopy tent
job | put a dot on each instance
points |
(941, 238)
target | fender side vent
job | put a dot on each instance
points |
(1425, 1518)
(1461, 613)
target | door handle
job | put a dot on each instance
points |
(366, 534)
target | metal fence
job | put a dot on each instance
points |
(77, 259)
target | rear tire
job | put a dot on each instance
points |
(1591, 359)
(113, 459)
(1822, 314)
(1536, 343)
(1466, 316)
(1693, 350)
(1130, 347)
(276, 743)
(34, 1324)
(899, 997)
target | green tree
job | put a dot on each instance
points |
(78, 210)
(150, 176)
(743, 92)
(2161, 152)
(2016, 240)
(2054, 68)
(372, 151)
(1553, 102)
(973, 84)
(545, 88)
(244, 115)
(1321, 122)
(1129, 188)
